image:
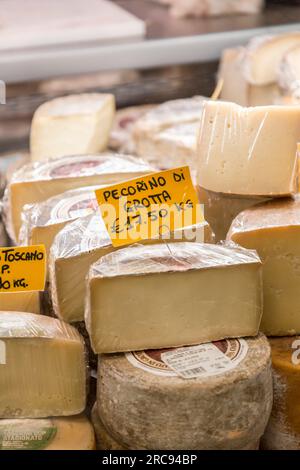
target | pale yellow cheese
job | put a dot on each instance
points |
(37, 182)
(273, 230)
(43, 367)
(165, 295)
(79, 245)
(60, 433)
(72, 125)
(20, 301)
(248, 151)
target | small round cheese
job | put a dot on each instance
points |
(144, 404)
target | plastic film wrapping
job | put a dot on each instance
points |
(29, 301)
(45, 360)
(39, 181)
(248, 151)
(289, 72)
(82, 243)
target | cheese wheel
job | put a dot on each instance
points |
(144, 404)
(283, 431)
(71, 433)
(103, 439)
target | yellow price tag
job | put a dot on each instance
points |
(149, 207)
(22, 268)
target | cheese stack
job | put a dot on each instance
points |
(273, 230)
(79, 245)
(215, 396)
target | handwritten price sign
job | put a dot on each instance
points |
(149, 207)
(22, 268)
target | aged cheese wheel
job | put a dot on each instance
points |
(71, 433)
(103, 439)
(283, 431)
(224, 403)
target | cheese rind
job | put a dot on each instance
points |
(43, 367)
(104, 440)
(283, 430)
(20, 302)
(74, 124)
(248, 151)
(39, 181)
(63, 433)
(273, 230)
(159, 410)
(144, 291)
(79, 245)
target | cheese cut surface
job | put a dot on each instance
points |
(144, 404)
(43, 367)
(104, 440)
(283, 431)
(220, 209)
(77, 247)
(20, 302)
(273, 230)
(42, 221)
(248, 151)
(62, 433)
(37, 182)
(264, 55)
(74, 124)
(172, 295)
(243, 92)
(172, 147)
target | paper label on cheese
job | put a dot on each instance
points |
(27, 434)
(206, 360)
(203, 360)
(22, 268)
(150, 206)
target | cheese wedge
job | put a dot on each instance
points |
(248, 151)
(20, 301)
(77, 247)
(37, 182)
(43, 367)
(62, 433)
(161, 296)
(273, 229)
(72, 125)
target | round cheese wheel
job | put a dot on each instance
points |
(283, 430)
(70, 433)
(104, 440)
(225, 402)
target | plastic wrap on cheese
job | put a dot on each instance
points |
(39, 181)
(172, 257)
(248, 151)
(284, 212)
(79, 245)
(289, 72)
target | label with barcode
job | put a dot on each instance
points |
(205, 360)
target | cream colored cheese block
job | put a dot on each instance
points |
(289, 72)
(273, 230)
(72, 125)
(220, 209)
(236, 88)
(104, 440)
(283, 431)
(43, 367)
(264, 54)
(248, 151)
(67, 433)
(172, 147)
(41, 222)
(37, 182)
(146, 404)
(161, 296)
(20, 302)
(120, 138)
(77, 247)
(163, 116)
